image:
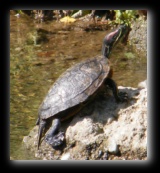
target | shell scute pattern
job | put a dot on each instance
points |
(73, 87)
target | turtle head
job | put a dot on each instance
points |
(111, 39)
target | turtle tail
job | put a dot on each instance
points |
(42, 124)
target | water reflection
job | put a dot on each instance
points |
(37, 59)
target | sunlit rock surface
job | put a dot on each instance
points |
(103, 130)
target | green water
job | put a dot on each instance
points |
(36, 61)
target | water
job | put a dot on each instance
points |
(38, 57)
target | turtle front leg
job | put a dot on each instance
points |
(119, 96)
(54, 138)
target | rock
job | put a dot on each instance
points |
(103, 130)
(112, 147)
(138, 36)
(142, 84)
(65, 156)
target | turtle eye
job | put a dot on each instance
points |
(121, 32)
(113, 38)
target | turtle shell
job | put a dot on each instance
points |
(74, 87)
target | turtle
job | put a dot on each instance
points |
(76, 87)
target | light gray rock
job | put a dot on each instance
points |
(138, 36)
(102, 130)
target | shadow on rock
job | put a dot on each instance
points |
(102, 126)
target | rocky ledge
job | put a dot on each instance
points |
(103, 130)
(138, 36)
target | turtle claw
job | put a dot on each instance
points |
(122, 97)
(55, 141)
